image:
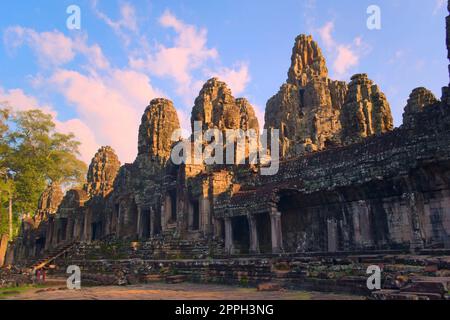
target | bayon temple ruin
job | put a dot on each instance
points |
(348, 181)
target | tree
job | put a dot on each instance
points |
(5, 185)
(33, 155)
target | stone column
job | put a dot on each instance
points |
(139, 227)
(70, 228)
(253, 231)
(49, 235)
(56, 231)
(276, 232)
(332, 235)
(163, 215)
(416, 204)
(119, 221)
(229, 248)
(152, 222)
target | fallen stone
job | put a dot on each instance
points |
(432, 285)
(176, 279)
(269, 287)
(153, 278)
(431, 269)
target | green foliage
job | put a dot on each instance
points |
(33, 155)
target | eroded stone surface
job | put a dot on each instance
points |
(102, 172)
(159, 123)
(216, 108)
(306, 109)
(50, 200)
(418, 100)
(366, 111)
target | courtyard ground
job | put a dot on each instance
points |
(163, 291)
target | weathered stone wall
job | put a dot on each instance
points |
(419, 99)
(365, 112)
(102, 172)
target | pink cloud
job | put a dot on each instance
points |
(188, 53)
(345, 60)
(345, 56)
(111, 110)
(237, 77)
(325, 34)
(18, 100)
(51, 48)
(83, 134)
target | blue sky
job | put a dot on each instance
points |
(97, 81)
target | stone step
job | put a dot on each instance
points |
(434, 285)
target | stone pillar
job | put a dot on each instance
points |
(332, 235)
(276, 232)
(56, 232)
(163, 215)
(49, 235)
(119, 220)
(253, 231)
(139, 227)
(204, 217)
(229, 248)
(416, 204)
(152, 222)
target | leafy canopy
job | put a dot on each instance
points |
(33, 155)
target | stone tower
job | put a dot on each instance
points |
(159, 122)
(216, 108)
(306, 109)
(418, 100)
(366, 111)
(102, 172)
(49, 202)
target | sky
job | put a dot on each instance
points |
(97, 80)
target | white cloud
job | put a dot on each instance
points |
(345, 56)
(236, 77)
(439, 5)
(53, 48)
(126, 22)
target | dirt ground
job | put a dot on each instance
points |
(162, 291)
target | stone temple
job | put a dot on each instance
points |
(349, 184)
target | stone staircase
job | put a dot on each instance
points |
(51, 256)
